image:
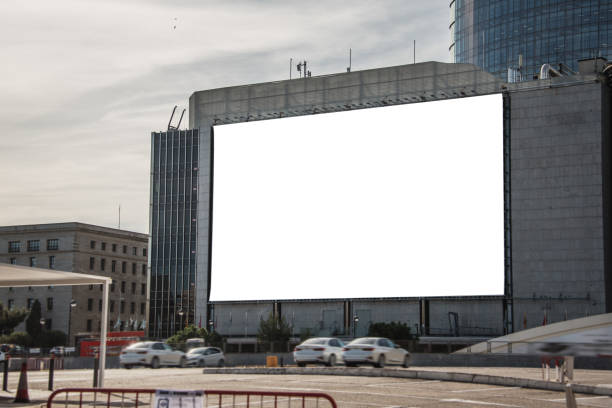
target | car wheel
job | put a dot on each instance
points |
(182, 362)
(332, 361)
(301, 364)
(221, 363)
(381, 361)
(127, 366)
(406, 362)
(201, 362)
(155, 362)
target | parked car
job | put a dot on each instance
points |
(318, 350)
(151, 353)
(194, 343)
(205, 357)
(57, 351)
(377, 351)
(12, 350)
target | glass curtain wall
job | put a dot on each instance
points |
(174, 182)
(493, 33)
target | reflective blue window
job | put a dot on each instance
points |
(492, 33)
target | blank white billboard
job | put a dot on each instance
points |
(396, 201)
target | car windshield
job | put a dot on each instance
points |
(315, 341)
(363, 341)
(139, 346)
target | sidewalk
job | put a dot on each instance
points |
(602, 378)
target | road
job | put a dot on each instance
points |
(351, 392)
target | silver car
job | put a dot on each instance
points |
(377, 351)
(318, 350)
(151, 353)
(205, 357)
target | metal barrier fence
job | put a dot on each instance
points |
(143, 398)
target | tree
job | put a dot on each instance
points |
(178, 340)
(20, 338)
(33, 326)
(9, 319)
(52, 338)
(273, 330)
(394, 330)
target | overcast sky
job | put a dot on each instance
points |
(84, 82)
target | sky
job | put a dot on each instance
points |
(85, 82)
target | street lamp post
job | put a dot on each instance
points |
(42, 326)
(355, 321)
(72, 304)
(181, 313)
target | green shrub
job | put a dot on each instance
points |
(393, 330)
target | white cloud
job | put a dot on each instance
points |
(85, 82)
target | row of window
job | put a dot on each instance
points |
(93, 245)
(113, 266)
(90, 303)
(33, 245)
(29, 303)
(33, 262)
(143, 287)
(120, 326)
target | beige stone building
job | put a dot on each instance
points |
(83, 248)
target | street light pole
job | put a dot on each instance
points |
(181, 313)
(71, 305)
(355, 321)
(42, 326)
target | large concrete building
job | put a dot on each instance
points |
(557, 197)
(82, 248)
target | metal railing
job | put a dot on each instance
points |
(143, 398)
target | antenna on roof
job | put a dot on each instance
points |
(180, 120)
(170, 127)
(301, 67)
(171, 116)
(119, 227)
(348, 69)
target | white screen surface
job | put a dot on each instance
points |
(398, 201)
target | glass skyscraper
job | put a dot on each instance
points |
(493, 33)
(173, 228)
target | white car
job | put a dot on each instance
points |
(151, 353)
(318, 350)
(205, 357)
(377, 351)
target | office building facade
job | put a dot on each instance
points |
(492, 34)
(174, 221)
(82, 248)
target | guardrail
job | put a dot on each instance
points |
(143, 398)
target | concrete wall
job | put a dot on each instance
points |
(557, 203)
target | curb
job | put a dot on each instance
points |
(418, 374)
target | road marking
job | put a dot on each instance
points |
(472, 402)
(487, 389)
(402, 384)
(577, 398)
(355, 392)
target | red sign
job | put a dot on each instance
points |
(115, 341)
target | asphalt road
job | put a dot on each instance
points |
(347, 391)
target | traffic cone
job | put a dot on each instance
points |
(22, 389)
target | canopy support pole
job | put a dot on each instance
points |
(103, 331)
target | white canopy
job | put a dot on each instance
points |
(16, 275)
